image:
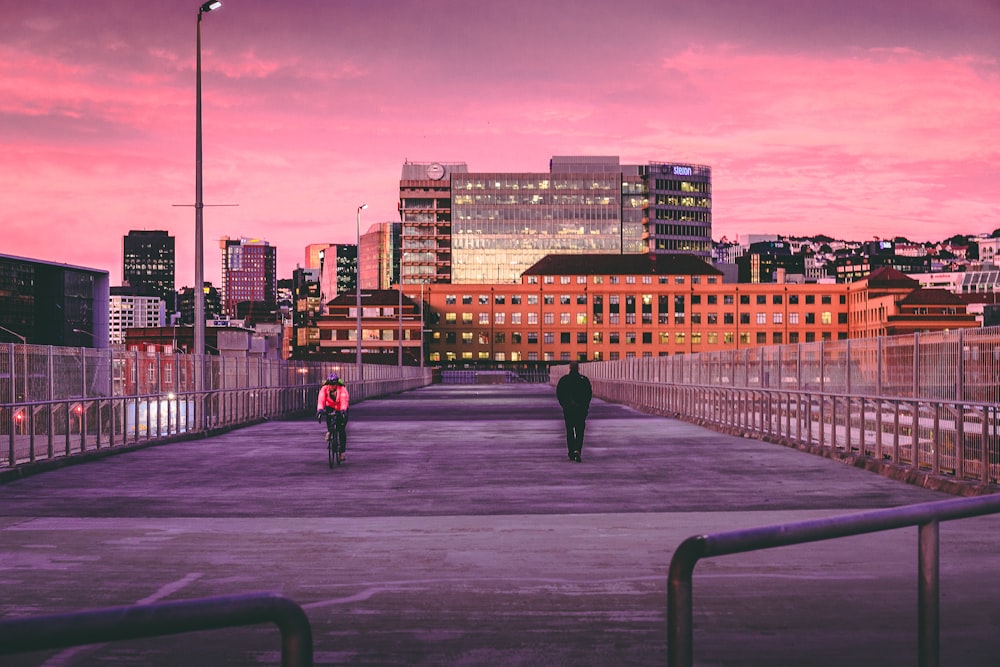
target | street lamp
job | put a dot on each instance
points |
(357, 284)
(199, 232)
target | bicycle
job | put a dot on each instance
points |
(334, 450)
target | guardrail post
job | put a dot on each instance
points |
(928, 597)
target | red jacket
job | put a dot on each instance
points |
(333, 396)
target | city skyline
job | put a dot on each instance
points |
(850, 120)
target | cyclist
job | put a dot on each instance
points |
(332, 403)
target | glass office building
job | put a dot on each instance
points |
(494, 226)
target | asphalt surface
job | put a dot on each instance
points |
(458, 533)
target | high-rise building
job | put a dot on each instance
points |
(133, 307)
(148, 261)
(470, 227)
(338, 270)
(378, 263)
(249, 274)
(314, 253)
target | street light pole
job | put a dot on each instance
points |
(357, 285)
(199, 205)
(400, 315)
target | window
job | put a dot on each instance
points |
(532, 318)
(713, 299)
(761, 318)
(564, 318)
(761, 337)
(515, 337)
(515, 318)
(647, 337)
(630, 338)
(532, 338)
(467, 338)
(449, 299)
(466, 299)
(532, 299)
(564, 337)
(581, 280)
(841, 318)
(679, 338)
(727, 299)
(564, 299)
(581, 337)
(826, 300)
(549, 318)
(776, 318)
(727, 318)
(761, 299)
(793, 336)
(581, 319)
(810, 299)
(549, 299)
(810, 318)
(744, 318)
(613, 337)
(450, 318)
(581, 299)
(613, 280)
(776, 299)
(498, 318)
(467, 318)
(744, 299)
(793, 318)
(499, 299)
(793, 299)
(776, 338)
(499, 337)
(548, 280)
(564, 280)
(548, 338)
(484, 318)
(515, 299)
(598, 337)
(826, 317)
(744, 338)
(713, 318)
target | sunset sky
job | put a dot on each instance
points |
(851, 118)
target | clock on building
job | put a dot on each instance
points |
(435, 172)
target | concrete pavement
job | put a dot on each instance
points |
(459, 534)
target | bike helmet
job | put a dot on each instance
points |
(332, 378)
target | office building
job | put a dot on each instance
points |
(249, 274)
(185, 304)
(44, 303)
(338, 270)
(133, 307)
(607, 307)
(470, 227)
(148, 261)
(378, 261)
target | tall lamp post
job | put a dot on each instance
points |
(357, 304)
(199, 231)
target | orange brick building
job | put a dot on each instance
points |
(606, 307)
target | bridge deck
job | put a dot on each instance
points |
(459, 534)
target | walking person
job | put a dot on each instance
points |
(332, 403)
(574, 393)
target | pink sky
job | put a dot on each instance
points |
(853, 119)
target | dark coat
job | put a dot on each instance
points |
(574, 393)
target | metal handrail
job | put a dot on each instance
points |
(20, 635)
(680, 630)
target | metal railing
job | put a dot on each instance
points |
(20, 635)
(62, 402)
(926, 403)
(927, 516)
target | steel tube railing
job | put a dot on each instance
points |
(20, 635)
(680, 625)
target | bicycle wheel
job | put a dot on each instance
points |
(332, 449)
